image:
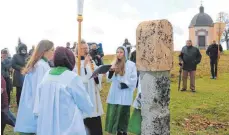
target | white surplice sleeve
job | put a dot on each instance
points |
(80, 96)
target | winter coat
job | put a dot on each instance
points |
(190, 56)
(18, 62)
(212, 51)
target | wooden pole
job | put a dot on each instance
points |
(219, 36)
(79, 19)
(154, 51)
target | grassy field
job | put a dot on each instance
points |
(205, 112)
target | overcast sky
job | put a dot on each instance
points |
(106, 21)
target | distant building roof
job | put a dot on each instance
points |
(201, 19)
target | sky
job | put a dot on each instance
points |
(105, 21)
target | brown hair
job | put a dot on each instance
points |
(42, 47)
(120, 64)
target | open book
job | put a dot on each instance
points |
(102, 69)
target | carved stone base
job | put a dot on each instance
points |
(155, 103)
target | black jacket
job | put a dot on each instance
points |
(5, 69)
(128, 46)
(133, 56)
(18, 62)
(190, 56)
(212, 51)
(94, 54)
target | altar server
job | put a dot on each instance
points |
(26, 123)
(61, 99)
(123, 76)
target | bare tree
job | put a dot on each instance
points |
(224, 17)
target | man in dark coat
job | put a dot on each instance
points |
(5, 71)
(128, 46)
(18, 62)
(74, 47)
(189, 57)
(68, 45)
(31, 51)
(96, 56)
(212, 52)
(133, 56)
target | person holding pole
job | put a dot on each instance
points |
(84, 68)
(93, 86)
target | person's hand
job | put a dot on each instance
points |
(87, 60)
(181, 63)
(113, 67)
(1, 90)
(96, 75)
(98, 56)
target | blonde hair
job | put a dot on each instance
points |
(42, 47)
(120, 64)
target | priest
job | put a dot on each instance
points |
(93, 87)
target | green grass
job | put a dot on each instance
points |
(211, 101)
(226, 52)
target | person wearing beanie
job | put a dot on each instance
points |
(34, 71)
(18, 62)
(93, 86)
(61, 98)
(123, 78)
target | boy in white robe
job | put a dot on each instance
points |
(26, 123)
(62, 99)
(123, 76)
(93, 86)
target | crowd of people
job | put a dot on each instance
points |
(53, 99)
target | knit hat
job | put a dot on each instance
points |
(64, 57)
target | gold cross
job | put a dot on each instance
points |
(201, 2)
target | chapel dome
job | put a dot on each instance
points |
(201, 19)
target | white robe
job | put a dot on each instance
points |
(123, 96)
(26, 121)
(60, 104)
(92, 88)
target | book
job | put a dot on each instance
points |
(102, 69)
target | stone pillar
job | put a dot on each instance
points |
(154, 61)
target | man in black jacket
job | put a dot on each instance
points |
(212, 52)
(18, 62)
(189, 57)
(5, 71)
(128, 46)
(133, 56)
(96, 56)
